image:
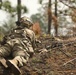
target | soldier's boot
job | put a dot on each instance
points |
(13, 64)
(3, 62)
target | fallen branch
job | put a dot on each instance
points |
(68, 62)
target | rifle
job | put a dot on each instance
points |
(57, 47)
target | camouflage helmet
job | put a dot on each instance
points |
(25, 22)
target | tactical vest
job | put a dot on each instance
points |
(17, 33)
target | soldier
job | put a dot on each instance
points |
(20, 44)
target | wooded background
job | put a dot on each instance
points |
(52, 19)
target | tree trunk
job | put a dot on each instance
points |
(56, 24)
(19, 9)
(49, 17)
(0, 4)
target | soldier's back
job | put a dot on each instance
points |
(29, 33)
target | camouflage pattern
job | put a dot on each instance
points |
(24, 22)
(20, 43)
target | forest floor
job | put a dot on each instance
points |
(59, 59)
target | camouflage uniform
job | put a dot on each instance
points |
(19, 44)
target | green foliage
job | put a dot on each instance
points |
(40, 1)
(24, 8)
(7, 6)
(0, 4)
(39, 18)
(7, 26)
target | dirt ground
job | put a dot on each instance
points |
(59, 59)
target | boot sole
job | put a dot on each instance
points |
(15, 69)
